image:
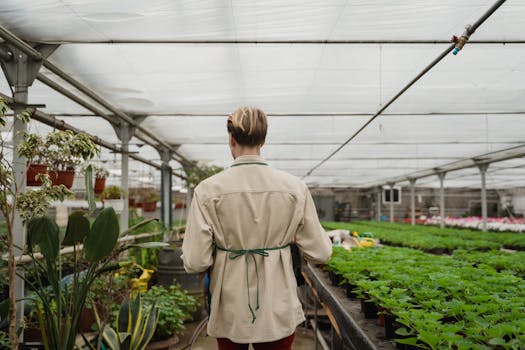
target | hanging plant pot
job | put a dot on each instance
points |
(62, 178)
(149, 206)
(100, 184)
(32, 171)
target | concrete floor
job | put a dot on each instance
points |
(304, 340)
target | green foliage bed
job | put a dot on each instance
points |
(443, 302)
(426, 238)
(391, 230)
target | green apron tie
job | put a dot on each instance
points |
(235, 253)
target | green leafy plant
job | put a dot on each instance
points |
(67, 150)
(135, 325)
(196, 172)
(35, 203)
(5, 344)
(175, 307)
(100, 172)
(62, 302)
(33, 148)
(112, 192)
(150, 195)
(442, 302)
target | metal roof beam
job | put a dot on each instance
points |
(30, 51)
(61, 125)
(282, 42)
(465, 163)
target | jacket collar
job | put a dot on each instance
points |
(247, 159)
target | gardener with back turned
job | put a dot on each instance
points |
(241, 224)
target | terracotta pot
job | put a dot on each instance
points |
(87, 318)
(100, 184)
(33, 171)
(63, 178)
(149, 206)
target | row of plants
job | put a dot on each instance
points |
(439, 302)
(508, 240)
(513, 262)
(417, 238)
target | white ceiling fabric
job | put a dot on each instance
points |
(317, 95)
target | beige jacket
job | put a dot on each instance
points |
(250, 206)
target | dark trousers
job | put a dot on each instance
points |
(282, 344)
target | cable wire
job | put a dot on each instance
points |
(469, 31)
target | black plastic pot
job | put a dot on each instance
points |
(350, 290)
(370, 309)
(334, 278)
(390, 326)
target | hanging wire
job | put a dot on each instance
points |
(452, 47)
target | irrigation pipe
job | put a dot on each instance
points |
(453, 46)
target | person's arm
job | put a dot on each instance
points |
(197, 250)
(311, 238)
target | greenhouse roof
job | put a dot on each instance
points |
(320, 69)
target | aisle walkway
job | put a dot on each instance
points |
(304, 340)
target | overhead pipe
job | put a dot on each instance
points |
(24, 47)
(60, 89)
(465, 163)
(61, 125)
(470, 30)
(277, 42)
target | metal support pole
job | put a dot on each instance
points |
(124, 136)
(165, 189)
(20, 70)
(483, 170)
(391, 184)
(442, 199)
(413, 201)
(378, 204)
(19, 170)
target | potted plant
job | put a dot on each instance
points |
(111, 196)
(149, 200)
(134, 327)
(134, 197)
(66, 150)
(101, 174)
(176, 306)
(63, 302)
(34, 150)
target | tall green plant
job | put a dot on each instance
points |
(63, 301)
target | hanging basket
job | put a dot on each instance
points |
(32, 171)
(100, 184)
(62, 178)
